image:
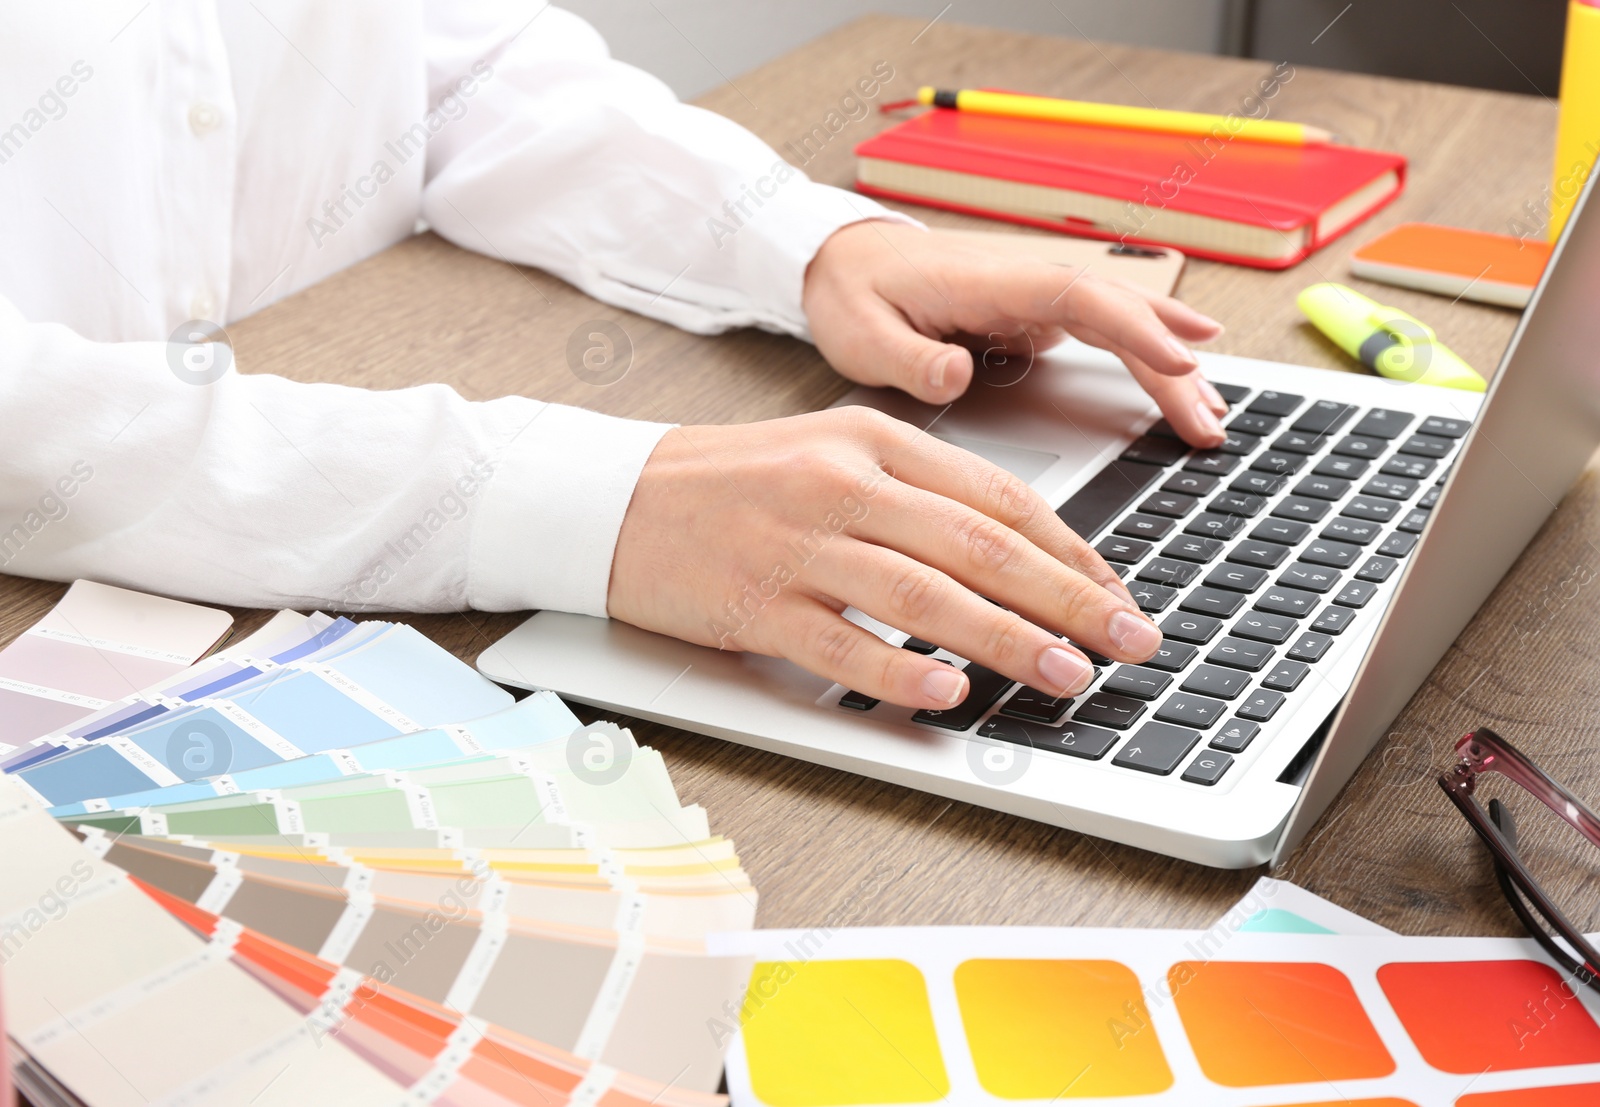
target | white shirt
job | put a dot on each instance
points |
(199, 159)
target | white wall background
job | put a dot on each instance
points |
(693, 44)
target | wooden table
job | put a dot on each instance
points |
(814, 839)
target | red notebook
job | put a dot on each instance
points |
(1246, 202)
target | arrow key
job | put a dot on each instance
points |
(1157, 748)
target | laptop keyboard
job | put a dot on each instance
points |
(1253, 558)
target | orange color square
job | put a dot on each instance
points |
(1568, 1095)
(1253, 1024)
(1473, 1016)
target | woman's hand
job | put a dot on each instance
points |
(881, 296)
(756, 537)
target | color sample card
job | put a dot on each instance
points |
(1232, 1017)
(97, 645)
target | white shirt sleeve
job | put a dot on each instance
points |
(556, 155)
(258, 491)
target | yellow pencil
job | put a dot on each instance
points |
(1118, 115)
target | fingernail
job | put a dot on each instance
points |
(940, 370)
(1213, 397)
(1208, 421)
(1134, 635)
(1065, 670)
(944, 686)
(1181, 352)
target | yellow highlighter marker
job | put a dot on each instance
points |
(1385, 339)
(1094, 114)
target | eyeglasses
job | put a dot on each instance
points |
(1483, 751)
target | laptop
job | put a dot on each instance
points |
(1307, 576)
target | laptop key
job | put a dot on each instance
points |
(1157, 748)
(1404, 465)
(1212, 461)
(1172, 657)
(1414, 521)
(1213, 525)
(1261, 705)
(1237, 503)
(1286, 531)
(1333, 620)
(1138, 681)
(1258, 484)
(1301, 508)
(1323, 488)
(1396, 488)
(1074, 739)
(1360, 446)
(1426, 445)
(1190, 547)
(1276, 461)
(1286, 676)
(1310, 647)
(1266, 555)
(1338, 555)
(1275, 403)
(1252, 423)
(1171, 504)
(1035, 706)
(1279, 600)
(1445, 428)
(1212, 680)
(1144, 526)
(1377, 569)
(1152, 598)
(1190, 484)
(1237, 442)
(1265, 626)
(1235, 735)
(985, 687)
(1342, 528)
(1430, 497)
(1189, 627)
(1383, 423)
(1336, 465)
(1371, 508)
(1240, 653)
(856, 701)
(1099, 660)
(1128, 550)
(1213, 601)
(1189, 710)
(1324, 416)
(918, 645)
(1298, 442)
(1355, 594)
(1313, 578)
(1398, 544)
(1105, 709)
(1231, 393)
(1164, 570)
(1155, 450)
(1236, 578)
(1207, 768)
(1106, 495)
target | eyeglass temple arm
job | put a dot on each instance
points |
(1484, 751)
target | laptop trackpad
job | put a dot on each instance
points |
(1019, 461)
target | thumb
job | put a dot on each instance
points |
(881, 348)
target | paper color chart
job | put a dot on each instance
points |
(1007, 1015)
(98, 645)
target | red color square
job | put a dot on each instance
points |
(1472, 1016)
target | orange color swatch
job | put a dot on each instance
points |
(1253, 1024)
(1042, 1029)
(1468, 1017)
(1568, 1095)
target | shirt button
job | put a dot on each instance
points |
(204, 117)
(202, 306)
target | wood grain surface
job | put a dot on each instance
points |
(817, 842)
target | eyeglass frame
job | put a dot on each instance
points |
(1485, 751)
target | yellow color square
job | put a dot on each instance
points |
(834, 1033)
(1059, 1029)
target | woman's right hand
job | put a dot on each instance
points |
(757, 536)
